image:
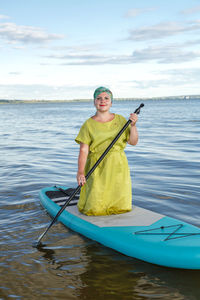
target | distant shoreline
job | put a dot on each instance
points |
(188, 97)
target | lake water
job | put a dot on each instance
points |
(38, 150)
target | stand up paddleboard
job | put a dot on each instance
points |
(141, 233)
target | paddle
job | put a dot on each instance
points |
(38, 243)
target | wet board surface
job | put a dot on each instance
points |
(141, 233)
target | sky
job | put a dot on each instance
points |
(63, 50)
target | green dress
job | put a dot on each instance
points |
(108, 189)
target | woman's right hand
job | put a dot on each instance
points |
(81, 178)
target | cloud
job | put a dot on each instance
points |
(191, 10)
(165, 54)
(3, 17)
(190, 43)
(138, 11)
(185, 75)
(37, 91)
(162, 30)
(173, 77)
(80, 48)
(14, 73)
(26, 34)
(86, 59)
(145, 84)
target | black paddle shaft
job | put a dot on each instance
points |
(137, 111)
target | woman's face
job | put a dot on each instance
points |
(103, 102)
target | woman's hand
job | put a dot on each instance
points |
(133, 118)
(81, 179)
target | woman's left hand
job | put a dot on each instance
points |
(133, 118)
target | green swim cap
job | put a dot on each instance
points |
(102, 89)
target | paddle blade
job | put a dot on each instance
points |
(38, 244)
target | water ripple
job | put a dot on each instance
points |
(38, 150)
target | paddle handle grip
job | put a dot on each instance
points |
(137, 111)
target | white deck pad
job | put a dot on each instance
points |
(137, 217)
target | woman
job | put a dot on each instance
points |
(108, 189)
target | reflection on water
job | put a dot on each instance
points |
(118, 277)
(38, 150)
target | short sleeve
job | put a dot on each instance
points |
(84, 135)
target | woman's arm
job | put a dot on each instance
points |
(83, 154)
(133, 139)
